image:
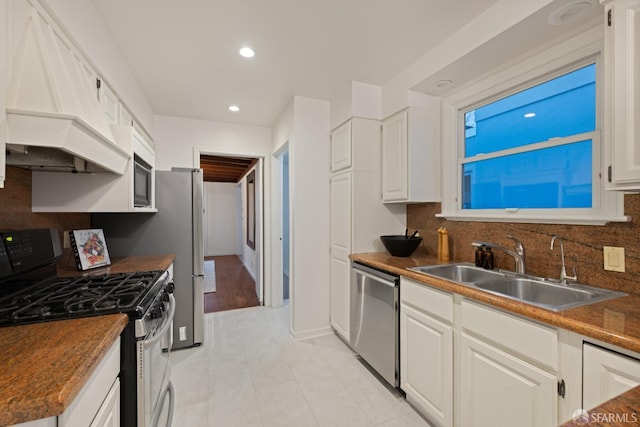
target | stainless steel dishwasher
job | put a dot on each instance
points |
(374, 329)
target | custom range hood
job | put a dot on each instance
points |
(54, 118)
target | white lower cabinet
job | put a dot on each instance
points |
(499, 389)
(98, 403)
(606, 374)
(466, 364)
(507, 370)
(341, 197)
(109, 413)
(426, 350)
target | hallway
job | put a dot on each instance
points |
(235, 288)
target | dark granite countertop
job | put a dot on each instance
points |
(44, 365)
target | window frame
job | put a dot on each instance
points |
(557, 60)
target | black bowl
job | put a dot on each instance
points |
(399, 245)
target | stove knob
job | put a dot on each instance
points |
(156, 312)
(165, 297)
(170, 287)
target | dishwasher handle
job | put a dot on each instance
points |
(377, 275)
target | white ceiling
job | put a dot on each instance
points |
(184, 53)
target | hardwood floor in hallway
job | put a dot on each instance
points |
(235, 288)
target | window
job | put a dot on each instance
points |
(533, 149)
(525, 144)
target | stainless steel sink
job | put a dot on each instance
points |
(539, 292)
(460, 273)
(553, 296)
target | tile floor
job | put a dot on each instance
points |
(248, 373)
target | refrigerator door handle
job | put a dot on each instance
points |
(198, 309)
(197, 220)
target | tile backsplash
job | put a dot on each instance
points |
(583, 244)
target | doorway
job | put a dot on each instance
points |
(233, 204)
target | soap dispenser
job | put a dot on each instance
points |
(480, 256)
(488, 259)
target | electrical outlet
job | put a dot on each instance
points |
(183, 333)
(66, 243)
(613, 258)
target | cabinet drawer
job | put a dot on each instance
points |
(530, 340)
(422, 297)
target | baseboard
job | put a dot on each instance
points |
(313, 333)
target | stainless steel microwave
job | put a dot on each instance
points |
(142, 183)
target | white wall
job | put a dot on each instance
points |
(177, 138)
(221, 213)
(309, 215)
(87, 29)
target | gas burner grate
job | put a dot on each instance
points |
(58, 298)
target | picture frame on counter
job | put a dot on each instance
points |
(89, 248)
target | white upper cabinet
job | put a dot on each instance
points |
(411, 156)
(622, 97)
(109, 102)
(341, 148)
(96, 192)
(125, 116)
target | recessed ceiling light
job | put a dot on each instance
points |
(529, 115)
(570, 12)
(246, 52)
(441, 84)
(234, 108)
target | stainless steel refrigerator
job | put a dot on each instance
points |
(177, 229)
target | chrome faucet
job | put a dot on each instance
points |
(563, 272)
(517, 254)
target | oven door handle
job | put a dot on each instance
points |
(168, 323)
(156, 417)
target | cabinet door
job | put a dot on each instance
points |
(109, 413)
(341, 147)
(606, 374)
(110, 104)
(426, 364)
(125, 116)
(394, 158)
(340, 248)
(498, 389)
(622, 98)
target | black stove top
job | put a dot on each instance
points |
(31, 292)
(63, 298)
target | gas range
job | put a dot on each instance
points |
(31, 292)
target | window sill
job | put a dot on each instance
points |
(532, 219)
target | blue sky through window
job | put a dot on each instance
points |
(556, 177)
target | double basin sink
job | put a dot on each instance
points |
(536, 291)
